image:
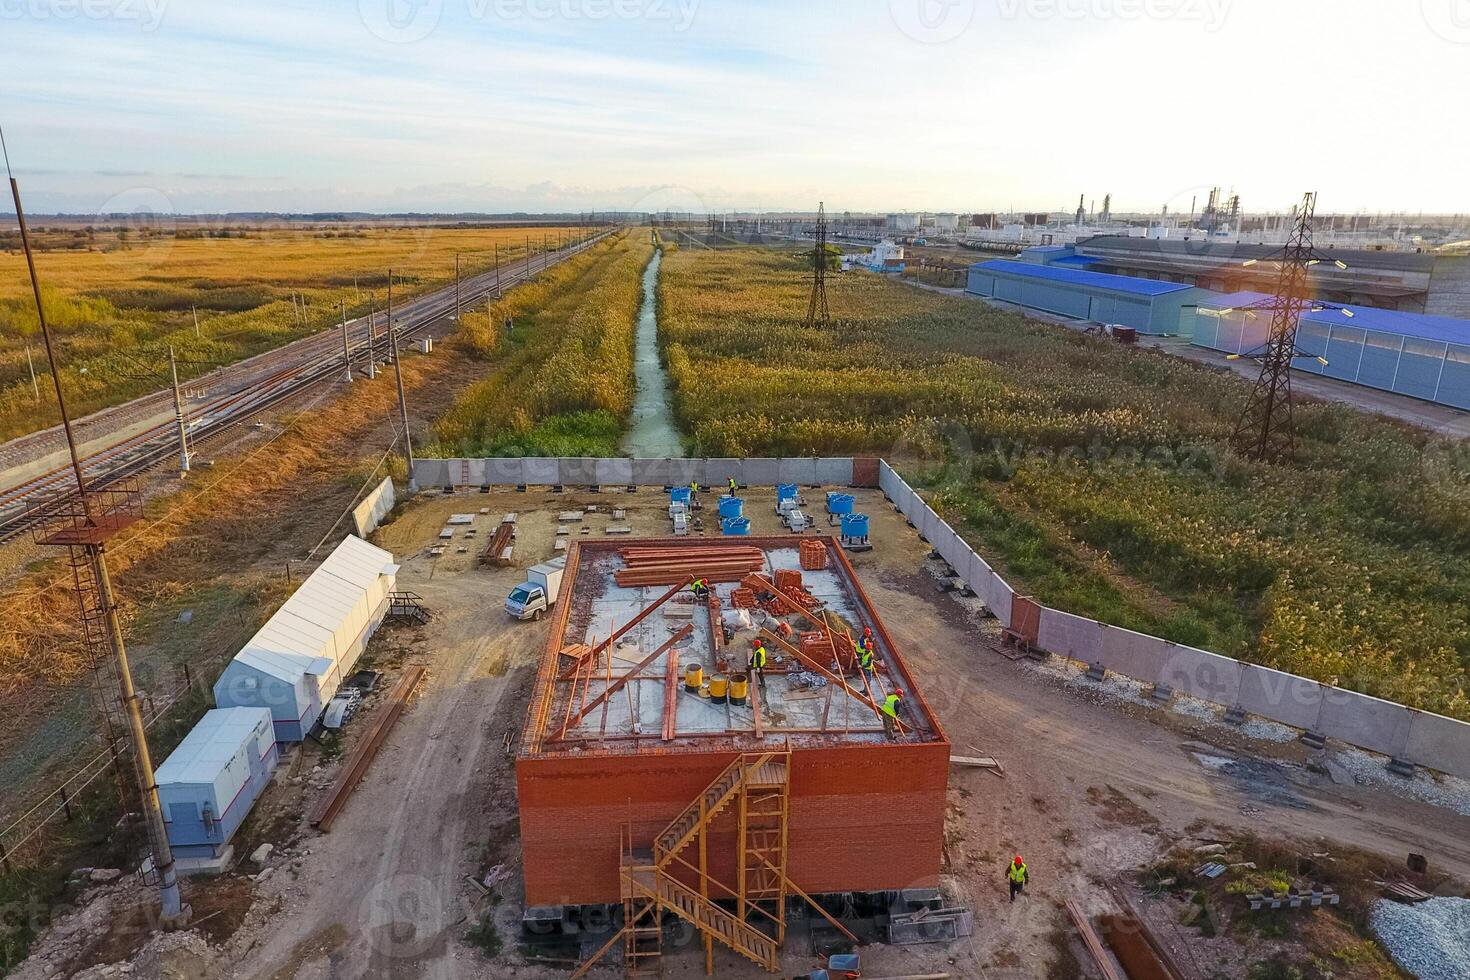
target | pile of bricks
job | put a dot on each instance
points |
(788, 580)
(742, 598)
(812, 554)
(818, 646)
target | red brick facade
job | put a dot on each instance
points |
(864, 817)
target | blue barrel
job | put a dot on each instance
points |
(785, 491)
(735, 526)
(854, 525)
(679, 495)
(839, 503)
(731, 507)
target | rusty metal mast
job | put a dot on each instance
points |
(1265, 429)
(83, 524)
(817, 313)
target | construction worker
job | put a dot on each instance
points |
(1018, 875)
(757, 665)
(700, 588)
(889, 708)
(865, 655)
(734, 487)
(693, 494)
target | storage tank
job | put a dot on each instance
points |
(735, 526)
(839, 503)
(731, 507)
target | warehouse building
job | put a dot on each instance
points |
(300, 657)
(1045, 280)
(208, 784)
(1425, 357)
(1412, 282)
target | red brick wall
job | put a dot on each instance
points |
(863, 817)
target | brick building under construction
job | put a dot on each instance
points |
(655, 775)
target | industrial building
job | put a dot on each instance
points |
(209, 783)
(1425, 357)
(1412, 282)
(299, 658)
(1044, 281)
(886, 256)
(653, 771)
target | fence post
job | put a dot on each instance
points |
(65, 804)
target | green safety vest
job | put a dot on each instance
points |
(1018, 875)
(758, 658)
(733, 484)
(693, 488)
(867, 657)
(890, 705)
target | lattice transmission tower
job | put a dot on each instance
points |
(817, 313)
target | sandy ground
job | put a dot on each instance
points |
(1092, 788)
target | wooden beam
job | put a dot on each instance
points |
(831, 677)
(618, 634)
(755, 706)
(592, 960)
(671, 694)
(1092, 942)
(624, 678)
(810, 901)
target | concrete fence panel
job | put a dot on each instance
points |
(431, 472)
(479, 470)
(578, 471)
(1069, 636)
(505, 472)
(542, 472)
(760, 472)
(651, 472)
(1000, 597)
(888, 480)
(614, 472)
(716, 473)
(1371, 723)
(1440, 743)
(683, 472)
(1199, 673)
(373, 508)
(1135, 655)
(802, 472)
(1282, 697)
(834, 471)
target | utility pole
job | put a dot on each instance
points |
(372, 362)
(528, 256)
(85, 534)
(346, 350)
(195, 311)
(31, 365)
(456, 287)
(497, 270)
(173, 373)
(402, 399)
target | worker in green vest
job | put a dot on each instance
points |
(889, 708)
(865, 650)
(1018, 875)
(734, 487)
(757, 665)
(700, 588)
(693, 494)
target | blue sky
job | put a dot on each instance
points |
(495, 105)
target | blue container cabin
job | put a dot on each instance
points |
(209, 783)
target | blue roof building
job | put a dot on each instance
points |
(1043, 282)
(1412, 354)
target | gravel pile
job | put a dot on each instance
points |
(1431, 940)
(1436, 789)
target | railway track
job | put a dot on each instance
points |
(249, 387)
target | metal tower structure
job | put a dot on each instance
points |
(83, 523)
(817, 313)
(1265, 430)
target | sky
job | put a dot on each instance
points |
(869, 105)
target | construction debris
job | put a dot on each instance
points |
(331, 805)
(1105, 963)
(978, 762)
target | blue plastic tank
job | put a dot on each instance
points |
(679, 495)
(731, 507)
(839, 503)
(854, 525)
(785, 491)
(735, 526)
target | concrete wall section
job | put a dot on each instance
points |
(718, 470)
(614, 472)
(802, 472)
(1070, 636)
(1440, 742)
(1198, 673)
(683, 472)
(651, 472)
(1135, 655)
(834, 472)
(505, 472)
(759, 472)
(578, 471)
(1370, 723)
(1286, 698)
(374, 507)
(431, 472)
(542, 472)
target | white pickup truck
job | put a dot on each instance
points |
(538, 592)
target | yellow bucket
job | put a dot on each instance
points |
(693, 678)
(739, 688)
(717, 688)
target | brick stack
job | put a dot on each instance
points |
(742, 599)
(788, 580)
(813, 555)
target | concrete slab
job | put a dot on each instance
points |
(802, 472)
(1287, 698)
(614, 472)
(578, 471)
(1069, 636)
(541, 472)
(834, 471)
(759, 472)
(505, 472)
(1439, 743)
(1134, 655)
(1200, 673)
(1371, 723)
